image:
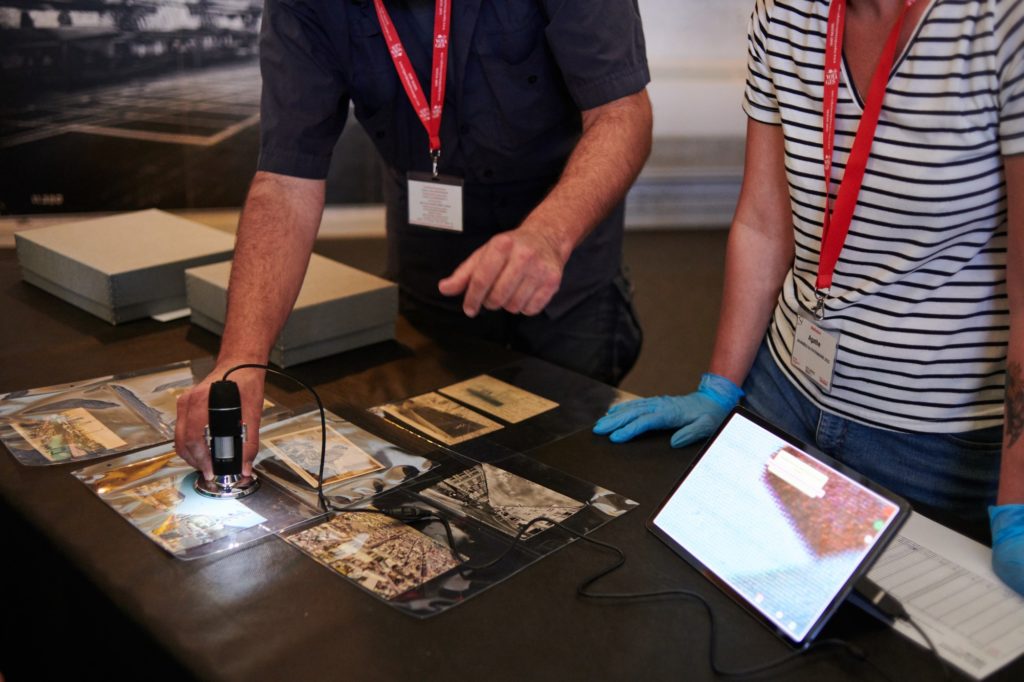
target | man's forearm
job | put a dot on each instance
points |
(615, 143)
(275, 238)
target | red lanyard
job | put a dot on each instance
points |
(430, 115)
(836, 223)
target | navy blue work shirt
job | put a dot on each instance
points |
(519, 74)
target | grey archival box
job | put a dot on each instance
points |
(339, 308)
(121, 267)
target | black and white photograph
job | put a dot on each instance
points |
(502, 500)
(439, 418)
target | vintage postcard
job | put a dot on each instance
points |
(157, 497)
(300, 451)
(379, 553)
(68, 434)
(502, 500)
(440, 418)
(495, 397)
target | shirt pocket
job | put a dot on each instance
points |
(530, 96)
(372, 78)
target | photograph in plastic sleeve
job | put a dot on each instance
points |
(579, 402)
(153, 490)
(479, 539)
(502, 500)
(71, 434)
(97, 417)
(365, 466)
(53, 426)
(378, 553)
(156, 496)
(499, 399)
(439, 418)
(301, 451)
(155, 394)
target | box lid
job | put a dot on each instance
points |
(335, 299)
(122, 259)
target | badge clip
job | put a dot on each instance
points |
(435, 156)
(819, 303)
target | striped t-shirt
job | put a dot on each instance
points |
(919, 292)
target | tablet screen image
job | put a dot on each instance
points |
(784, 532)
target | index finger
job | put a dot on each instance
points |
(489, 266)
(189, 441)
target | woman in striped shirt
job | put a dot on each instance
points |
(893, 347)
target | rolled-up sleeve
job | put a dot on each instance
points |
(1009, 34)
(304, 103)
(759, 100)
(599, 48)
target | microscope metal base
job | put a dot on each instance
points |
(230, 487)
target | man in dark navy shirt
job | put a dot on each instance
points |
(545, 120)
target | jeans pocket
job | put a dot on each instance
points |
(982, 440)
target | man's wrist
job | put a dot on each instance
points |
(552, 233)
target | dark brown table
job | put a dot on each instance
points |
(87, 595)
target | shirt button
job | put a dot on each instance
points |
(531, 79)
(381, 134)
(488, 173)
(464, 129)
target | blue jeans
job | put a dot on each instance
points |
(951, 477)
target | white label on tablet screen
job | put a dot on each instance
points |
(775, 524)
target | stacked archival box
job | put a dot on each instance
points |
(121, 267)
(338, 308)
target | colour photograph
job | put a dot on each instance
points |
(379, 553)
(300, 451)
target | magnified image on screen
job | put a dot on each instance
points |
(779, 527)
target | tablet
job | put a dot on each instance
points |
(784, 532)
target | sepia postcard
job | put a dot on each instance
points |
(68, 434)
(495, 397)
(379, 553)
(501, 499)
(300, 451)
(440, 418)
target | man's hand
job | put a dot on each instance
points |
(518, 271)
(193, 416)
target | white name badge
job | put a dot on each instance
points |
(814, 351)
(435, 202)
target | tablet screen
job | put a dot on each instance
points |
(785, 533)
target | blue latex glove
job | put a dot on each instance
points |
(1008, 543)
(696, 415)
